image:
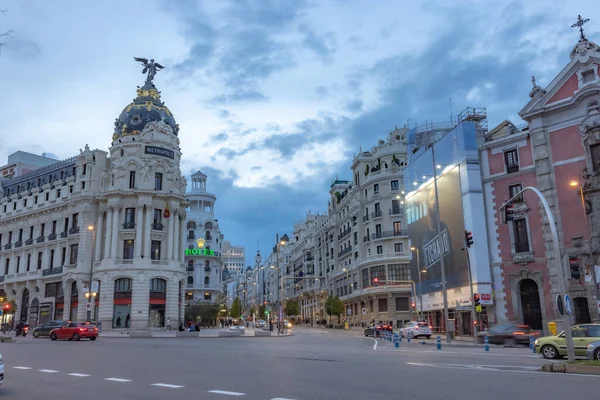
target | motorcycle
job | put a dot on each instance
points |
(22, 331)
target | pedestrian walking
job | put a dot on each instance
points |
(168, 324)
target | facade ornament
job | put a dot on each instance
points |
(536, 88)
(590, 126)
(579, 24)
(150, 68)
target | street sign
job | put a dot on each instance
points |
(88, 306)
(486, 299)
(559, 305)
(568, 305)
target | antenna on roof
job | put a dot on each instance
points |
(450, 110)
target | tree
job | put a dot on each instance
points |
(252, 310)
(334, 306)
(291, 308)
(261, 311)
(236, 308)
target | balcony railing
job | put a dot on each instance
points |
(129, 225)
(52, 271)
(386, 234)
(52, 236)
(40, 239)
(208, 237)
(157, 226)
(365, 239)
(365, 218)
(18, 244)
(8, 246)
(396, 211)
(191, 237)
(64, 234)
(344, 233)
(74, 230)
(29, 241)
(376, 214)
(345, 251)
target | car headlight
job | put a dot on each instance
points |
(1, 360)
(589, 347)
(536, 342)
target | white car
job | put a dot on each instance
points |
(237, 327)
(1, 370)
(416, 329)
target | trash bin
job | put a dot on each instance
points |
(346, 325)
(552, 328)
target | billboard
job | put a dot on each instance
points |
(422, 230)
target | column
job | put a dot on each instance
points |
(176, 238)
(182, 241)
(57, 255)
(139, 223)
(98, 244)
(148, 230)
(170, 235)
(108, 241)
(115, 234)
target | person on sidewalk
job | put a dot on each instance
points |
(168, 324)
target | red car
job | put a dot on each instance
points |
(75, 331)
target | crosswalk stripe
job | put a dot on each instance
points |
(77, 374)
(167, 385)
(21, 367)
(117, 380)
(227, 393)
(50, 371)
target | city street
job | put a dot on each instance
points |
(312, 364)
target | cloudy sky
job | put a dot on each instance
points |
(273, 97)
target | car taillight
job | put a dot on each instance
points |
(518, 333)
(96, 329)
(416, 327)
(82, 329)
(430, 327)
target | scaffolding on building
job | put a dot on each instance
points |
(475, 114)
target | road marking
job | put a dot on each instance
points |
(463, 367)
(21, 367)
(117, 380)
(77, 374)
(167, 385)
(456, 352)
(227, 393)
(281, 398)
(50, 371)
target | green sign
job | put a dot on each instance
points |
(200, 252)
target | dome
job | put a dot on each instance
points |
(146, 107)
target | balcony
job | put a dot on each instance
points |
(29, 242)
(8, 246)
(74, 230)
(2, 278)
(384, 256)
(40, 239)
(388, 234)
(344, 233)
(208, 237)
(157, 226)
(64, 234)
(397, 211)
(52, 236)
(365, 239)
(191, 237)
(345, 251)
(365, 218)
(52, 271)
(376, 214)
(129, 225)
(18, 244)
(190, 269)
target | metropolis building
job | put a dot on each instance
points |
(115, 218)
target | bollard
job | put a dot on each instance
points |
(400, 337)
(531, 342)
(408, 335)
(396, 340)
(439, 342)
(486, 342)
(390, 336)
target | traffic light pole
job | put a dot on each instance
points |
(559, 261)
(473, 314)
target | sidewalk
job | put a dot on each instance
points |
(204, 333)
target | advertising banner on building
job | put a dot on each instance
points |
(422, 229)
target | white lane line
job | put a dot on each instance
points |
(227, 393)
(50, 371)
(79, 375)
(167, 385)
(21, 367)
(117, 380)
(503, 370)
(281, 398)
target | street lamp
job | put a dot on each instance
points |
(420, 285)
(280, 317)
(89, 293)
(348, 306)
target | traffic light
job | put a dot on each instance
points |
(414, 307)
(476, 302)
(509, 214)
(7, 307)
(574, 266)
(468, 238)
(375, 281)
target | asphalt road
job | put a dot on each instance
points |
(312, 364)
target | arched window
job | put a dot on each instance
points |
(208, 226)
(206, 264)
(191, 225)
(74, 292)
(190, 280)
(158, 285)
(207, 280)
(207, 269)
(123, 285)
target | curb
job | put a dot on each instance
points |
(4, 339)
(190, 337)
(571, 368)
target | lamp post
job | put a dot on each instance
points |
(347, 285)
(420, 286)
(89, 293)
(280, 295)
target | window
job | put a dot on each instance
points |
(15, 205)
(155, 250)
(398, 247)
(131, 179)
(63, 256)
(123, 285)
(511, 161)
(24, 202)
(10, 237)
(47, 197)
(207, 296)
(158, 285)
(376, 188)
(39, 260)
(366, 193)
(129, 218)
(53, 227)
(377, 210)
(21, 235)
(378, 232)
(394, 185)
(75, 221)
(18, 263)
(383, 305)
(58, 193)
(66, 227)
(31, 232)
(35, 200)
(84, 169)
(378, 272)
(52, 258)
(82, 185)
(520, 236)
(587, 76)
(207, 280)
(355, 237)
(6, 265)
(397, 228)
(514, 189)
(402, 304)
(190, 280)
(158, 181)
(73, 254)
(54, 289)
(157, 216)
(399, 272)
(595, 155)
(71, 189)
(128, 249)
(380, 249)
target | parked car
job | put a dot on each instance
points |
(508, 334)
(46, 328)
(261, 323)
(416, 329)
(556, 346)
(376, 330)
(593, 351)
(75, 331)
(1, 370)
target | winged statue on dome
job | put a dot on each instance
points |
(150, 67)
